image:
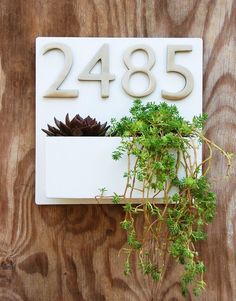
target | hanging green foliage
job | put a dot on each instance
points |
(158, 142)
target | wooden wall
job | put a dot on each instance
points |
(70, 252)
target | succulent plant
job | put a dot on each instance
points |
(78, 126)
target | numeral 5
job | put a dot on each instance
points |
(172, 67)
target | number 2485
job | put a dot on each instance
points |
(102, 55)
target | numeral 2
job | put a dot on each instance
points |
(53, 91)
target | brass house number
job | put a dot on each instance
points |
(105, 77)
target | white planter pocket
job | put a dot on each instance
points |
(77, 167)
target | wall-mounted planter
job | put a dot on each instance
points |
(71, 170)
(77, 167)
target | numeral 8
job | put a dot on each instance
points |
(145, 69)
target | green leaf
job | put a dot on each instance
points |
(116, 198)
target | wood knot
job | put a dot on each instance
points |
(36, 263)
(109, 232)
(7, 263)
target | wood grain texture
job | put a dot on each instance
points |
(71, 252)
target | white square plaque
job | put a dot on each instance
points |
(101, 77)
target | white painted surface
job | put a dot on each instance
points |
(77, 167)
(89, 101)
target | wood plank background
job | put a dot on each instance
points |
(71, 252)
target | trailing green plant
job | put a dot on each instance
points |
(158, 143)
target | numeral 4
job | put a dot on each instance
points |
(105, 77)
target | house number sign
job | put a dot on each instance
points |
(102, 55)
(101, 77)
